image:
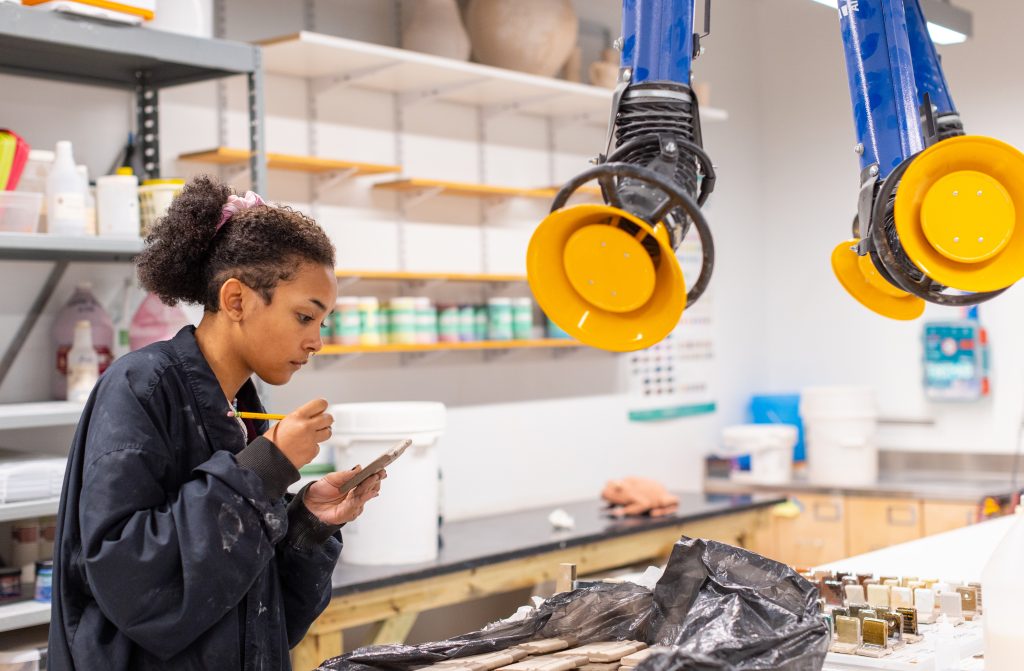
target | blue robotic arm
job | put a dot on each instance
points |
(937, 215)
(608, 274)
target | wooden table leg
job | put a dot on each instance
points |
(314, 649)
(395, 629)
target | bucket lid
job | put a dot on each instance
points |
(838, 402)
(388, 418)
(746, 438)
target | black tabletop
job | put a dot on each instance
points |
(488, 540)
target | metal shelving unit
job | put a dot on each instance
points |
(52, 45)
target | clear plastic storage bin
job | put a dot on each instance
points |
(19, 211)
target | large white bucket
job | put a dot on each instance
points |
(840, 429)
(770, 447)
(401, 525)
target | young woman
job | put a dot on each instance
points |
(177, 547)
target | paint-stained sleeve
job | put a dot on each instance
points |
(164, 568)
(306, 559)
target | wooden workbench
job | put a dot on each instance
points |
(503, 553)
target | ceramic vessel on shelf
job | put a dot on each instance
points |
(434, 27)
(605, 72)
(534, 36)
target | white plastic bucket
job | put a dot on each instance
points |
(401, 525)
(770, 447)
(840, 428)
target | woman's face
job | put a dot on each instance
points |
(279, 337)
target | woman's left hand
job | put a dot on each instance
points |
(324, 500)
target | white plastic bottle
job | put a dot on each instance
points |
(83, 364)
(117, 205)
(1004, 592)
(65, 195)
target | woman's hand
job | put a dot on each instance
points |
(324, 500)
(300, 433)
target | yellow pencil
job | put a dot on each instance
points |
(256, 415)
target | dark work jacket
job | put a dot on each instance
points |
(176, 546)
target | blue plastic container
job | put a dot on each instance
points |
(780, 409)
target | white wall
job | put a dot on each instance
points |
(526, 429)
(815, 333)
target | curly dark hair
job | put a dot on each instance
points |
(184, 260)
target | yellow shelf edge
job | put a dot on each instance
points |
(294, 162)
(413, 276)
(463, 188)
(478, 190)
(330, 350)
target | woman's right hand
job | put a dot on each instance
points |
(300, 433)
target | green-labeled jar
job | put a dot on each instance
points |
(522, 318)
(499, 321)
(404, 320)
(448, 323)
(346, 321)
(467, 323)
(426, 321)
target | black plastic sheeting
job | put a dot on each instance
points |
(721, 608)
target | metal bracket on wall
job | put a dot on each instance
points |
(495, 354)
(409, 98)
(409, 358)
(323, 84)
(27, 324)
(494, 111)
(325, 181)
(345, 282)
(421, 196)
(562, 352)
(322, 362)
(576, 120)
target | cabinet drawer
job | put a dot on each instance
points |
(815, 536)
(942, 516)
(876, 523)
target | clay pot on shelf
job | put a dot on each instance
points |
(534, 36)
(434, 27)
(605, 72)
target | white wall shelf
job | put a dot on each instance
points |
(25, 509)
(330, 61)
(23, 614)
(35, 415)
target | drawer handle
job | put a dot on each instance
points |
(901, 516)
(828, 512)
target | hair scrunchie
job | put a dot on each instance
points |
(236, 204)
